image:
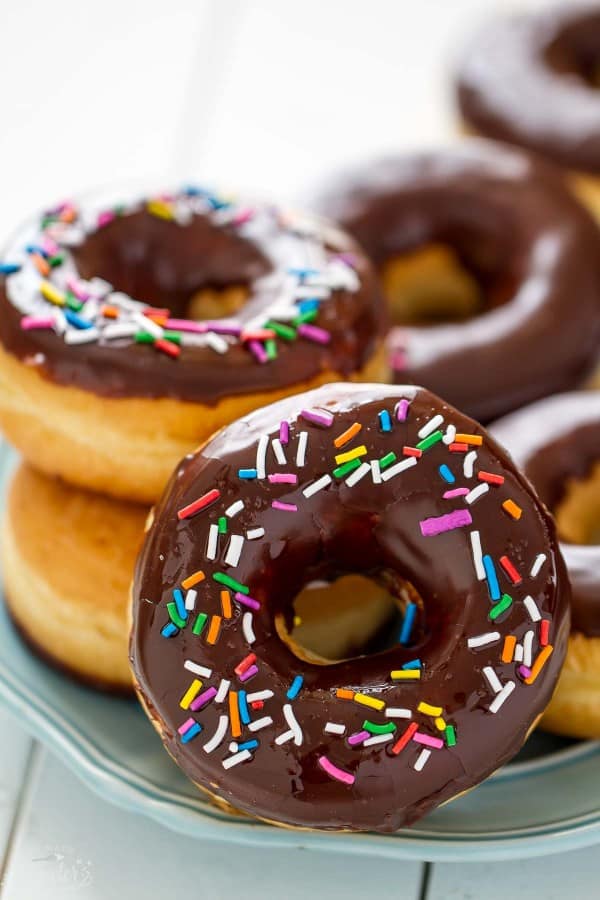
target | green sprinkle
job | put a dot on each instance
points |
(429, 441)
(222, 525)
(283, 331)
(501, 606)
(144, 337)
(350, 466)
(309, 316)
(72, 302)
(373, 728)
(222, 578)
(174, 615)
(450, 735)
(387, 460)
(57, 260)
(271, 348)
(173, 336)
(199, 623)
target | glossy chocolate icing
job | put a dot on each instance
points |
(531, 247)
(531, 79)
(164, 263)
(367, 528)
(553, 441)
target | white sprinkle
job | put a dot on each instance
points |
(398, 712)
(378, 739)
(492, 679)
(213, 539)
(284, 737)
(477, 555)
(234, 550)
(317, 485)
(518, 654)
(255, 533)
(311, 292)
(476, 493)
(537, 564)
(279, 452)
(398, 467)
(247, 628)
(119, 330)
(528, 649)
(292, 721)
(429, 427)
(148, 325)
(359, 473)
(468, 463)
(234, 509)
(302, 442)
(81, 335)
(218, 736)
(450, 435)
(60, 322)
(222, 691)
(261, 456)
(233, 747)
(236, 759)
(334, 728)
(375, 469)
(259, 695)
(532, 608)
(482, 640)
(196, 669)
(501, 697)
(216, 342)
(190, 599)
(258, 724)
(422, 759)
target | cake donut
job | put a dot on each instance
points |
(67, 559)
(532, 79)
(384, 481)
(481, 249)
(130, 330)
(557, 444)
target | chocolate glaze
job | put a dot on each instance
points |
(530, 79)
(369, 529)
(532, 248)
(553, 441)
(165, 263)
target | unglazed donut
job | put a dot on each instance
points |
(557, 444)
(67, 560)
(388, 482)
(482, 249)
(102, 385)
(532, 79)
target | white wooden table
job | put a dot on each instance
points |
(267, 95)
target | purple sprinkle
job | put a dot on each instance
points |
(258, 351)
(286, 507)
(455, 492)
(438, 524)
(283, 478)
(524, 671)
(220, 327)
(358, 738)
(319, 335)
(247, 601)
(249, 673)
(402, 410)
(317, 417)
(284, 431)
(348, 258)
(203, 698)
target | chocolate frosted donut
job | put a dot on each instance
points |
(104, 328)
(387, 482)
(526, 245)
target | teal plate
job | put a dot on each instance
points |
(547, 800)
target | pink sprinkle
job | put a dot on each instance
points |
(286, 507)
(348, 258)
(249, 673)
(402, 410)
(319, 335)
(456, 492)
(334, 772)
(49, 246)
(317, 417)
(438, 524)
(428, 740)
(243, 216)
(398, 360)
(187, 325)
(104, 218)
(284, 431)
(186, 726)
(358, 738)
(524, 671)
(283, 478)
(202, 699)
(28, 323)
(258, 351)
(246, 601)
(75, 288)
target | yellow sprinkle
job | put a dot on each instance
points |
(512, 509)
(297, 621)
(51, 294)
(350, 455)
(539, 663)
(190, 693)
(475, 439)
(365, 700)
(159, 208)
(428, 709)
(440, 724)
(405, 674)
(191, 580)
(347, 435)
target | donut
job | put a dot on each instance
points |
(67, 560)
(557, 444)
(531, 79)
(386, 482)
(131, 329)
(481, 250)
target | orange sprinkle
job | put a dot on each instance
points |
(191, 580)
(41, 264)
(344, 694)
(457, 447)
(475, 439)
(68, 215)
(512, 509)
(110, 312)
(213, 630)
(544, 629)
(405, 738)
(347, 435)
(508, 651)
(234, 714)
(226, 604)
(539, 663)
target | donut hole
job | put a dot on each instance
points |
(576, 50)
(196, 270)
(578, 512)
(352, 616)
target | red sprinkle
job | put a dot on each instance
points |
(201, 503)
(257, 704)
(458, 447)
(167, 347)
(490, 477)
(404, 739)
(412, 451)
(510, 570)
(245, 664)
(261, 334)
(544, 630)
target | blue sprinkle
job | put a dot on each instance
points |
(385, 421)
(413, 664)
(302, 273)
(33, 248)
(191, 733)
(243, 705)
(492, 578)
(9, 268)
(170, 630)
(248, 745)
(73, 319)
(179, 602)
(295, 686)
(446, 474)
(308, 305)
(407, 624)
(249, 474)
